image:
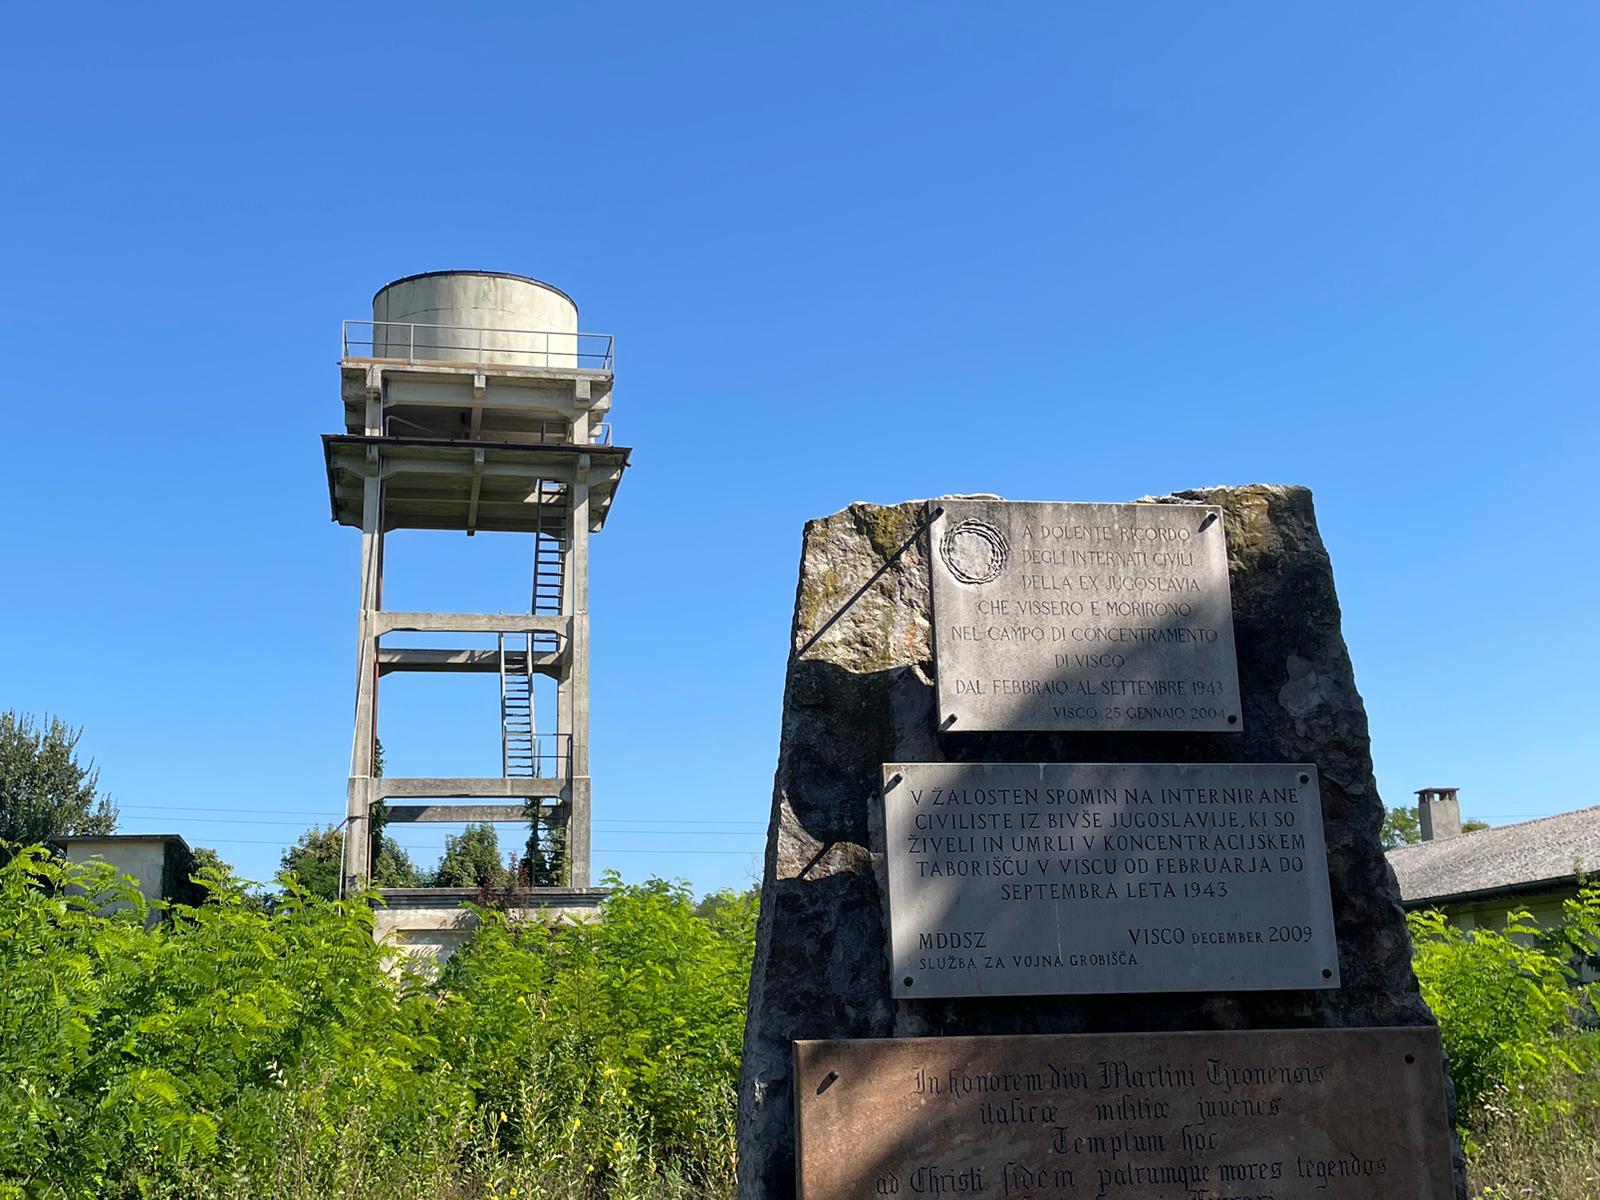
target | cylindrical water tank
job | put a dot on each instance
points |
(476, 316)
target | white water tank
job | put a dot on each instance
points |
(476, 316)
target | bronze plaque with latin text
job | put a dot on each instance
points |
(1347, 1114)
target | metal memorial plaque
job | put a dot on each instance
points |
(1010, 879)
(1082, 616)
(1307, 1114)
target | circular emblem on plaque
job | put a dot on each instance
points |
(975, 551)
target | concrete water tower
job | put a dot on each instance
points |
(472, 401)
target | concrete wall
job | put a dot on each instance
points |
(143, 858)
(1491, 912)
(477, 300)
(427, 930)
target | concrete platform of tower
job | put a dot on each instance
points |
(428, 925)
(435, 483)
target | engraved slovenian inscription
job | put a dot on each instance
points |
(1082, 616)
(1349, 1114)
(1047, 878)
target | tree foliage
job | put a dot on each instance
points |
(1400, 828)
(206, 859)
(316, 860)
(45, 792)
(472, 860)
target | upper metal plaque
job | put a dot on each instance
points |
(1010, 879)
(1082, 616)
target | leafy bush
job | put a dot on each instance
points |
(1512, 1019)
(635, 1025)
(241, 1051)
(1501, 999)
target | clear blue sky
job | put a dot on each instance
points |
(858, 251)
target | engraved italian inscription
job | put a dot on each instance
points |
(1049, 878)
(1082, 616)
(1349, 1114)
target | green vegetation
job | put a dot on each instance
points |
(1518, 1029)
(265, 1047)
(472, 860)
(317, 860)
(246, 1050)
(45, 791)
(1400, 828)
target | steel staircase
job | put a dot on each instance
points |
(549, 559)
(519, 738)
(518, 747)
(549, 570)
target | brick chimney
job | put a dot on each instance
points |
(1439, 813)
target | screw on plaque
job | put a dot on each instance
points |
(1210, 520)
(827, 1082)
(893, 781)
(1411, 1058)
(1233, 719)
(908, 981)
(948, 721)
(1327, 972)
(1305, 778)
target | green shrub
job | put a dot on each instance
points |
(1507, 1003)
(1500, 1000)
(629, 1029)
(236, 1050)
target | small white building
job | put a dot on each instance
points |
(159, 862)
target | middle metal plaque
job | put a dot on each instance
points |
(1009, 879)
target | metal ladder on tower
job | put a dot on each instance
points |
(549, 575)
(519, 741)
(550, 558)
(518, 748)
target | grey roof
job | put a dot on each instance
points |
(70, 839)
(1505, 858)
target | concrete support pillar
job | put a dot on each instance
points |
(577, 682)
(578, 852)
(358, 796)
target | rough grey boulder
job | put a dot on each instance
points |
(863, 696)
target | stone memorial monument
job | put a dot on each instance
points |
(1073, 884)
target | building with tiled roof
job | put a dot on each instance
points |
(1476, 878)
